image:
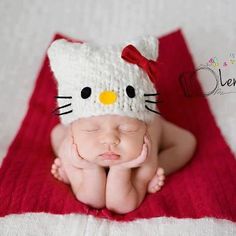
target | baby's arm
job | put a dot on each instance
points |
(92, 188)
(88, 180)
(124, 193)
(177, 147)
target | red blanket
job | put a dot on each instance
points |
(205, 187)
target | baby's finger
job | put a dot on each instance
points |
(148, 142)
(139, 160)
(78, 160)
(75, 153)
(147, 139)
(143, 154)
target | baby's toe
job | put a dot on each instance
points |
(162, 177)
(160, 171)
(155, 188)
(152, 190)
(58, 177)
(57, 162)
(54, 167)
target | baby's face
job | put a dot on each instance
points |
(97, 135)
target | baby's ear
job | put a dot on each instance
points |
(148, 46)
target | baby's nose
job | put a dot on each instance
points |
(110, 139)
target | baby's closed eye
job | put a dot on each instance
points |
(128, 128)
(90, 128)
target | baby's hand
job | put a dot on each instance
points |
(140, 159)
(71, 156)
(81, 162)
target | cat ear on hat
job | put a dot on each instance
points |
(64, 55)
(57, 53)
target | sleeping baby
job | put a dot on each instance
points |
(112, 145)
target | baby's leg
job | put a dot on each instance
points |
(58, 134)
(88, 185)
(87, 179)
(176, 148)
(154, 131)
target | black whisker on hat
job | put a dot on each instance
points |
(59, 114)
(67, 105)
(152, 110)
(57, 109)
(153, 101)
(151, 94)
(63, 97)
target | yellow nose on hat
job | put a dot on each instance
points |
(107, 97)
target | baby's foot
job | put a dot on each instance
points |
(58, 171)
(157, 181)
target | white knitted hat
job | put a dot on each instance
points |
(96, 80)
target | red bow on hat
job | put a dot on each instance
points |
(132, 55)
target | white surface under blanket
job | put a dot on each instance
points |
(26, 29)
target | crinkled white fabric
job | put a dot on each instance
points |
(47, 224)
(27, 27)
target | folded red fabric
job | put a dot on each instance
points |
(203, 188)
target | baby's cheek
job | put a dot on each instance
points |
(133, 147)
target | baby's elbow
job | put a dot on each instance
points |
(92, 201)
(121, 209)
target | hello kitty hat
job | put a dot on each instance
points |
(96, 81)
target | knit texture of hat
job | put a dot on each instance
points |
(95, 80)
